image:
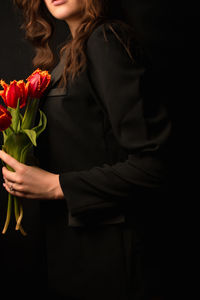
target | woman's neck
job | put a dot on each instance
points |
(73, 25)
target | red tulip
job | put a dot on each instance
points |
(17, 90)
(5, 118)
(38, 82)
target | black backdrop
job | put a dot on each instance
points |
(158, 27)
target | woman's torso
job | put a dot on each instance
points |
(78, 135)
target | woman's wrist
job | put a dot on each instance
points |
(57, 190)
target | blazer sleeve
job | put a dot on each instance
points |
(140, 126)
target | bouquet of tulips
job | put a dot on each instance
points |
(19, 132)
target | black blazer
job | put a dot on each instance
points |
(106, 137)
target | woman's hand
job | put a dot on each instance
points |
(29, 182)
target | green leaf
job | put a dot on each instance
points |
(41, 125)
(8, 131)
(18, 145)
(21, 117)
(14, 144)
(24, 152)
(15, 112)
(31, 134)
(30, 113)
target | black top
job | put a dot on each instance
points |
(106, 138)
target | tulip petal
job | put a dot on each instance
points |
(3, 92)
(5, 118)
(38, 82)
(3, 84)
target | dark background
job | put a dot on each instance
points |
(159, 27)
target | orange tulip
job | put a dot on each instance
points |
(38, 82)
(5, 118)
(17, 90)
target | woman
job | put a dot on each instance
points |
(102, 157)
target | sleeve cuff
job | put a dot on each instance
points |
(81, 202)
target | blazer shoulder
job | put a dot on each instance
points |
(116, 37)
(109, 31)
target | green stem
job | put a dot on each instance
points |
(18, 215)
(9, 209)
(16, 208)
(30, 113)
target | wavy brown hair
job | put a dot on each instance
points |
(39, 26)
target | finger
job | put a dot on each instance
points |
(14, 186)
(15, 192)
(9, 160)
(8, 175)
(7, 182)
